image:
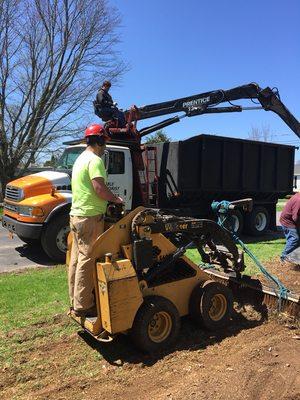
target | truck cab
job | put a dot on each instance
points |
(37, 206)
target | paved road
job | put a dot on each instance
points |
(15, 254)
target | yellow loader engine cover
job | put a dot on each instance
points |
(119, 295)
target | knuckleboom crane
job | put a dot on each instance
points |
(208, 103)
(211, 102)
(199, 104)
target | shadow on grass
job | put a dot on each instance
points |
(192, 338)
(268, 237)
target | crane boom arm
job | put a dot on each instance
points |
(205, 103)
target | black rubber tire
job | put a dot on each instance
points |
(54, 237)
(201, 304)
(140, 334)
(251, 226)
(236, 214)
(30, 242)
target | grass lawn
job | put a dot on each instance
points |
(33, 308)
(265, 249)
(27, 297)
(35, 333)
(280, 204)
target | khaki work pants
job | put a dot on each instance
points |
(85, 231)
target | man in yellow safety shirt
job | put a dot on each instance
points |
(89, 200)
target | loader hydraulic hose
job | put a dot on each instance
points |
(223, 210)
(283, 291)
(158, 126)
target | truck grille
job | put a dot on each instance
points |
(11, 207)
(13, 193)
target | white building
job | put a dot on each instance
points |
(297, 178)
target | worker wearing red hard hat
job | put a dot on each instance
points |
(96, 130)
(90, 195)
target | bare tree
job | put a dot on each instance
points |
(54, 55)
(262, 134)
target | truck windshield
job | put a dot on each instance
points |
(113, 160)
(68, 157)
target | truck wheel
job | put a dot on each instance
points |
(54, 237)
(156, 324)
(211, 305)
(257, 222)
(236, 222)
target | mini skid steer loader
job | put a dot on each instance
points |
(144, 283)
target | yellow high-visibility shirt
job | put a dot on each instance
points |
(85, 202)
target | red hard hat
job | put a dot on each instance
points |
(95, 130)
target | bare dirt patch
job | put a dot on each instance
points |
(251, 359)
(288, 273)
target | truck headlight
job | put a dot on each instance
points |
(37, 212)
(27, 211)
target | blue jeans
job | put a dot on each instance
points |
(292, 241)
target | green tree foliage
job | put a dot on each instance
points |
(52, 162)
(157, 137)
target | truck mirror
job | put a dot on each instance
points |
(106, 159)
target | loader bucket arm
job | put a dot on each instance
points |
(202, 232)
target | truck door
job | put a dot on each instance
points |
(120, 174)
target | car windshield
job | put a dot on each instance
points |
(68, 157)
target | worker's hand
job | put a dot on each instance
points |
(119, 200)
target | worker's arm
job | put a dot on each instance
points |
(99, 97)
(104, 192)
(296, 214)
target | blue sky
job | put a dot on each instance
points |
(177, 49)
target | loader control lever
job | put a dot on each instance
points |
(114, 212)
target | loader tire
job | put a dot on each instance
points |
(156, 325)
(211, 305)
(54, 237)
